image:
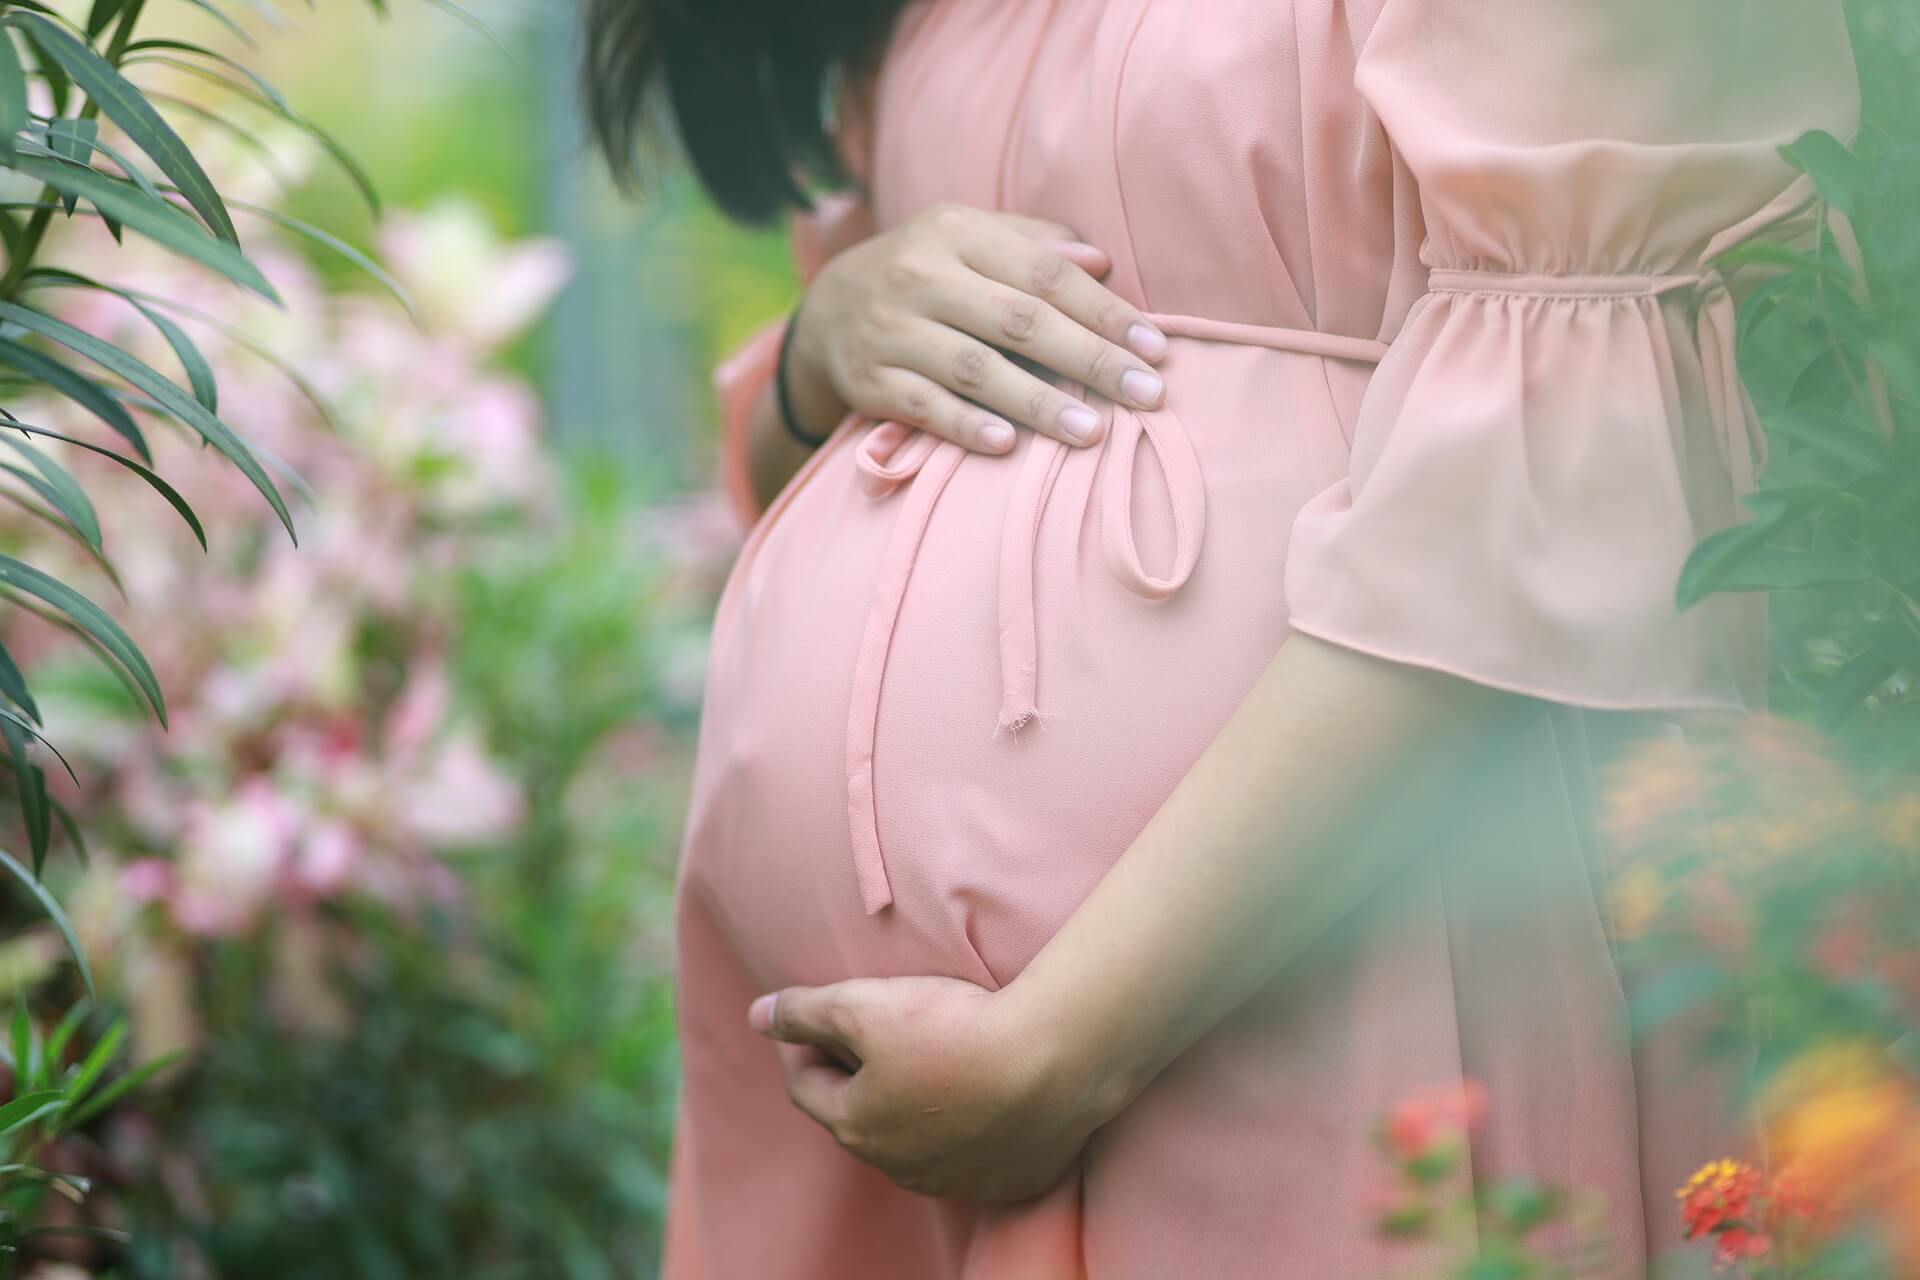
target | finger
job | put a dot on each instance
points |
(910, 397)
(971, 369)
(1005, 317)
(1060, 238)
(816, 1085)
(806, 1015)
(1034, 270)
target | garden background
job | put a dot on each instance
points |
(385, 904)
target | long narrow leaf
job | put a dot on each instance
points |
(81, 390)
(14, 685)
(96, 1062)
(61, 489)
(127, 107)
(30, 785)
(152, 478)
(220, 15)
(158, 220)
(200, 375)
(327, 240)
(51, 907)
(13, 94)
(92, 619)
(74, 138)
(121, 1086)
(28, 1107)
(161, 51)
(177, 402)
(328, 143)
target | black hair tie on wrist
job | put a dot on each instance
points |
(788, 418)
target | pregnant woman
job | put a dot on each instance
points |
(1234, 458)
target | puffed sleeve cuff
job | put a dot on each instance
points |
(1533, 464)
(738, 383)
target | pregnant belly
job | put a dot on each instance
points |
(919, 754)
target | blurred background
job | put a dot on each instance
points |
(395, 878)
(376, 929)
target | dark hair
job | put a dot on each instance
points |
(746, 83)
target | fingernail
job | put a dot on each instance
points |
(1143, 388)
(1146, 341)
(760, 1013)
(997, 436)
(1079, 422)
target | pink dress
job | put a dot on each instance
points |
(1451, 382)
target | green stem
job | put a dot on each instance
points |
(36, 232)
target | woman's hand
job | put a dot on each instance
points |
(919, 323)
(947, 1088)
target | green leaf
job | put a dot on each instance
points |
(69, 1024)
(158, 220)
(127, 107)
(220, 15)
(51, 907)
(96, 1062)
(121, 1087)
(272, 102)
(170, 396)
(74, 836)
(31, 786)
(74, 138)
(81, 390)
(89, 617)
(1772, 568)
(159, 485)
(157, 51)
(14, 685)
(28, 1107)
(1838, 174)
(22, 1055)
(101, 16)
(60, 488)
(341, 247)
(59, 87)
(1762, 254)
(13, 95)
(200, 375)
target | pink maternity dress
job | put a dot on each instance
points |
(1452, 383)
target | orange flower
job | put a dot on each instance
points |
(1900, 822)
(1718, 1197)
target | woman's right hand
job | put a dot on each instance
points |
(921, 323)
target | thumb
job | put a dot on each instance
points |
(804, 1015)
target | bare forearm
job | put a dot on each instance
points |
(1244, 866)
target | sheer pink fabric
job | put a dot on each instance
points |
(1451, 381)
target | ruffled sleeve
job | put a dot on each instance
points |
(1560, 419)
(836, 222)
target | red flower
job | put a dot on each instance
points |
(1718, 1198)
(1736, 1245)
(1423, 1122)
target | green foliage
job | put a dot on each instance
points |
(55, 1090)
(1830, 348)
(499, 1105)
(144, 178)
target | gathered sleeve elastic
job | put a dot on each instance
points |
(1560, 419)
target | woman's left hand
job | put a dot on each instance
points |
(947, 1088)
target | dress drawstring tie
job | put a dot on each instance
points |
(892, 456)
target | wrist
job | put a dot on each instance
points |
(1078, 1063)
(810, 404)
